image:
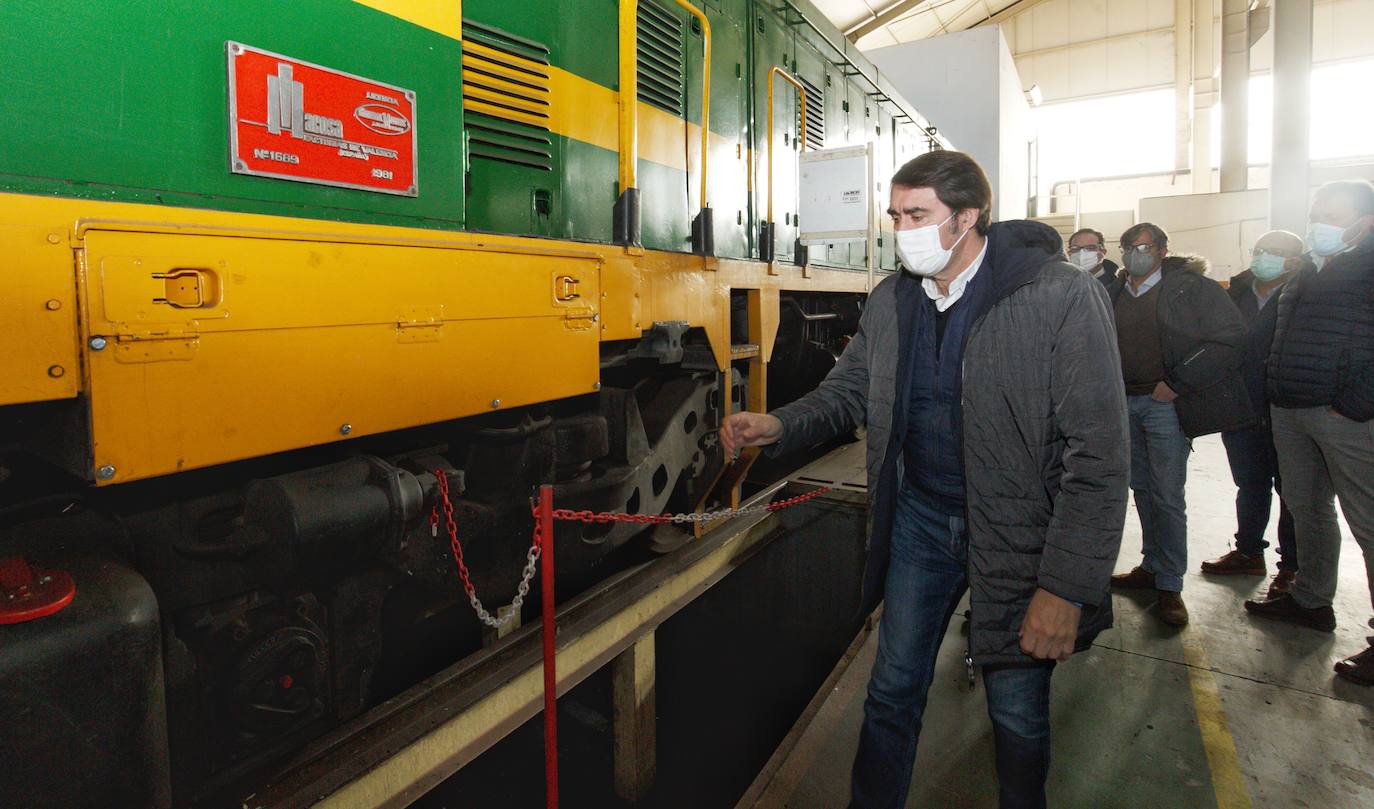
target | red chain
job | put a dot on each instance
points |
(586, 516)
(609, 516)
(801, 498)
(452, 528)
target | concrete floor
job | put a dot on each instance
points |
(1231, 712)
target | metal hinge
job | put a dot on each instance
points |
(580, 318)
(420, 324)
(145, 345)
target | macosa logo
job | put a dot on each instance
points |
(382, 119)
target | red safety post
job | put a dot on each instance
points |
(550, 649)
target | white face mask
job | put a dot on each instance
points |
(1086, 260)
(920, 250)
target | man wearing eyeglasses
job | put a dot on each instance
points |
(1182, 342)
(1088, 252)
(1250, 451)
(1320, 381)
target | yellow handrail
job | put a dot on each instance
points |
(629, 92)
(801, 93)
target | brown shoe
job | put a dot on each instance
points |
(1358, 668)
(1171, 609)
(1235, 563)
(1138, 579)
(1283, 581)
(1284, 608)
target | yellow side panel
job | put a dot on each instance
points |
(37, 316)
(224, 347)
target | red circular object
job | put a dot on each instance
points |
(286, 681)
(28, 592)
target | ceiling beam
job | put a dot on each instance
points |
(887, 15)
(1019, 7)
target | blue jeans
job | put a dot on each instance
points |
(1255, 470)
(926, 577)
(1159, 470)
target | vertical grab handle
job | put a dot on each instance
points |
(627, 207)
(767, 249)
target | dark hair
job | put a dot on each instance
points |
(1102, 240)
(1360, 192)
(957, 180)
(1133, 232)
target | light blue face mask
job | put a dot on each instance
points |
(1267, 267)
(1324, 239)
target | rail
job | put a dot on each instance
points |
(766, 238)
(629, 101)
(398, 750)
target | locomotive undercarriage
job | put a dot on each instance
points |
(296, 591)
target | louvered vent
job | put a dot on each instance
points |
(506, 97)
(815, 115)
(662, 78)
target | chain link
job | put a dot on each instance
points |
(522, 590)
(531, 559)
(694, 517)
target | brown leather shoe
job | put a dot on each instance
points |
(1171, 609)
(1282, 583)
(1284, 608)
(1235, 563)
(1358, 668)
(1138, 579)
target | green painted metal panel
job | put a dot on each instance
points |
(128, 101)
(580, 34)
(775, 44)
(730, 112)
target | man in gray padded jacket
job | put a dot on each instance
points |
(987, 378)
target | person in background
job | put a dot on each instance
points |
(1320, 381)
(996, 458)
(1088, 252)
(1250, 450)
(1182, 343)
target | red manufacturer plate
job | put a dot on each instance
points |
(296, 121)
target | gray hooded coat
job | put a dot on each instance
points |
(1045, 450)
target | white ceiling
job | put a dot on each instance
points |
(1084, 48)
(917, 21)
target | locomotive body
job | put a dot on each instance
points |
(272, 266)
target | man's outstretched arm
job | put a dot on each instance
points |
(836, 406)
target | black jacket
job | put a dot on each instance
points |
(1323, 349)
(1260, 322)
(1109, 270)
(1045, 446)
(1202, 340)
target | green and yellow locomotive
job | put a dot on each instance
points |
(269, 265)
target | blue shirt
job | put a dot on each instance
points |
(932, 446)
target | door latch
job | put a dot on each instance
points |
(188, 289)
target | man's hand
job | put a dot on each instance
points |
(1163, 393)
(1050, 627)
(748, 430)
